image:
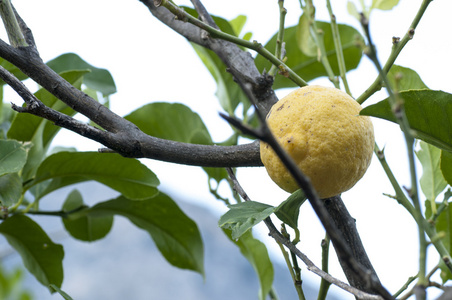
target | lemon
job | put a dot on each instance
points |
(321, 129)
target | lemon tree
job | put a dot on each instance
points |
(321, 129)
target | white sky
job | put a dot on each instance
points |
(151, 63)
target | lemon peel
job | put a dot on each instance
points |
(321, 129)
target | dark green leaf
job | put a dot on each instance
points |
(289, 210)
(176, 122)
(176, 235)
(13, 156)
(256, 253)
(98, 79)
(308, 67)
(85, 228)
(125, 175)
(10, 189)
(428, 113)
(432, 181)
(42, 257)
(243, 216)
(171, 121)
(402, 79)
(446, 166)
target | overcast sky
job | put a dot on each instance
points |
(151, 63)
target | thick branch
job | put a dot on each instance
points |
(346, 225)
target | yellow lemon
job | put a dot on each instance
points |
(321, 129)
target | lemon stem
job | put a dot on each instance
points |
(338, 47)
(216, 33)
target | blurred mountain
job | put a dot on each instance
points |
(127, 265)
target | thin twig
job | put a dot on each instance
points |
(398, 45)
(280, 38)
(399, 113)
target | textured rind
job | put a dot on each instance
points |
(320, 127)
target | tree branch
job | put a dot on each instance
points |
(239, 63)
(119, 135)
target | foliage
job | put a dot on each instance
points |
(30, 169)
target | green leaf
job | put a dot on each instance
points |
(404, 79)
(229, 94)
(237, 24)
(98, 79)
(443, 226)
(171, 121)
(289, 210)
(59, 291)
(13, 156)
(39, 131)
(304, 39)
(352, 10)
(126, 175)
(176, 235)
(432, 181)
(428, 113)
(308, 67)
(42, 257)
(85, 228)
(243, 216)
(10, 189)
(256, 253)
(446, 166)
(384, 4)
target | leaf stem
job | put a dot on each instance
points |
(294, 268)
(338, 46)
(398, 45)
(318, 36)
(215, 33)
(280, 39)
(324, 285)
